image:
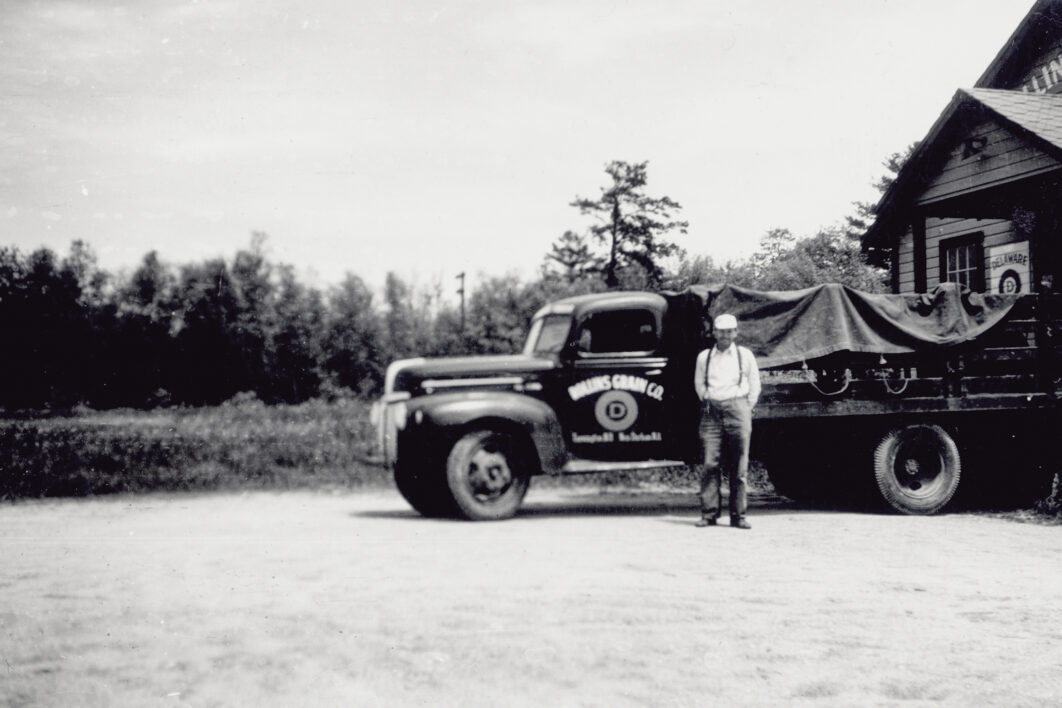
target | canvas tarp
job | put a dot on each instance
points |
(786, 327)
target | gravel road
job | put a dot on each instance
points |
(586, 598)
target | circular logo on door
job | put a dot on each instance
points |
(616, 410)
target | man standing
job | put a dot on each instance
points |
(728, 383)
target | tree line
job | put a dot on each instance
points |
(201, 333)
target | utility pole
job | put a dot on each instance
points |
(461, 292)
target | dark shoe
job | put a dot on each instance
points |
(705, 522)
(740, 524)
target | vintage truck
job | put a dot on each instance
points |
(890, 396)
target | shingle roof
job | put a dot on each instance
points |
(1038, 113)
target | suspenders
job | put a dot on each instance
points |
(708, 362)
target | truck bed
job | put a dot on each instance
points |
(1013, 366)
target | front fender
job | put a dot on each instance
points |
(438, 416)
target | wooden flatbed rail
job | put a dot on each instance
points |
(1014, 366)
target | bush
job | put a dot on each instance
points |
(1052, 505)
(240, 444)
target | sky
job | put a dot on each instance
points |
(432, 138)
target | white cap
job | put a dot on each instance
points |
(725, 322)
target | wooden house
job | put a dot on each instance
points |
(979, 202)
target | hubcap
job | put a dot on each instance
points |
(488, 473)
(919, 467)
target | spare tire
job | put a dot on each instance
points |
(917, 468)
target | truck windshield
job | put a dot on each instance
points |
(548, 335)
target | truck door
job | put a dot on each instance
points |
(615, 398)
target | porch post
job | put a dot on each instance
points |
(918, 229)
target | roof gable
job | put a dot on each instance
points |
(992, 137)
(1034, 36)
(1036, 115)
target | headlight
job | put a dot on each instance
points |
(399, 413)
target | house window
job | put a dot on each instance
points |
(962, 260)
(962, 264)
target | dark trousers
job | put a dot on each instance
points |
(726, 430)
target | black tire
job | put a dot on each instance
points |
(917, 469)
(486, 475)
(423, 485)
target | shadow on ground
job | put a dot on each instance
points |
(562, 503)
(655, 503)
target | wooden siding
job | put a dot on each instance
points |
(997, 232)
(1006, 157)
(906, 264)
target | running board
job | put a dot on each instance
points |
(586, 466)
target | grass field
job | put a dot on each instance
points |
(241, 444)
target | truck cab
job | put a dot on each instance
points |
(611, 386)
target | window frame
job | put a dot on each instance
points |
(538, 326)
(977, 241)
(653, 317)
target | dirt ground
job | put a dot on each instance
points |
(584, 599)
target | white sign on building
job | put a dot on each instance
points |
(1008, 268)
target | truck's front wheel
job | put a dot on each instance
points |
(917, 468)
(486, 478)
(422, 486)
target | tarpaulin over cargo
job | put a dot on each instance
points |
(786, 327)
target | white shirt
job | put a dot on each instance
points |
(722, 381)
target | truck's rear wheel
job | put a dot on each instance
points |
(486, 477)
(917, 468)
